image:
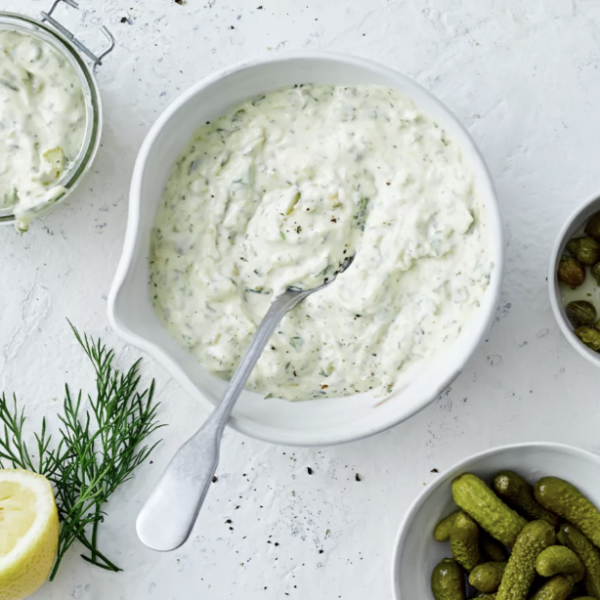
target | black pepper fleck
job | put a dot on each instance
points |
(215, 479)
(434, 471)
(358, 477)
(309, 470)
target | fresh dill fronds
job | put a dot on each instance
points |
(99, 447)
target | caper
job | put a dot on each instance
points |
(573, 246)
(593, 227)
(581, 312)
(595, 271)
(590, 337)
(571, 272)
(588, 252)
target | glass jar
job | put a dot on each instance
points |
(49, 30)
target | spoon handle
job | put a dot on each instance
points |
(168, 516)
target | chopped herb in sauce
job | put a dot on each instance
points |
(364, 173)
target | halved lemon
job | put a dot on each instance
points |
(28, 532)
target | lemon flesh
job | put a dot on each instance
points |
(28, 532)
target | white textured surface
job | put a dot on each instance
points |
(524, 78)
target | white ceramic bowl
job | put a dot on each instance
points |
(570, 229)
(416, 552)
(325, 421)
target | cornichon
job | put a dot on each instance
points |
(556, 560)
(557, 588)
(476, 499)
(520, 570)
(572, 538)
(567, 501)
(464, 542)
(447, 581)
(518, 494)
(492, 550)
(487, 576)
(441, 533)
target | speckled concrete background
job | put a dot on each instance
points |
(524, 78)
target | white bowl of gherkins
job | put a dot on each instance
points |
(518, 522)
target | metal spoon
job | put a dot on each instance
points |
(166, 520)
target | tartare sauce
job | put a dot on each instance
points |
(42, 120)
(276, 193)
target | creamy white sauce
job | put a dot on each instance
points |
(42, 120)
(275, 194)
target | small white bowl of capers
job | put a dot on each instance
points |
(574, 279)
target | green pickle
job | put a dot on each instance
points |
(487, 576)
(572, 538)
(520, 570)
(557, 560)
(486, 509)
(568, 502)
(447, 581)
(489, 520)
(559, 587)
(464, 542)
(518, 494)
(441, 533)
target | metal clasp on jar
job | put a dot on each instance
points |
(95, 58)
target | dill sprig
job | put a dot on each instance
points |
(98, 449)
